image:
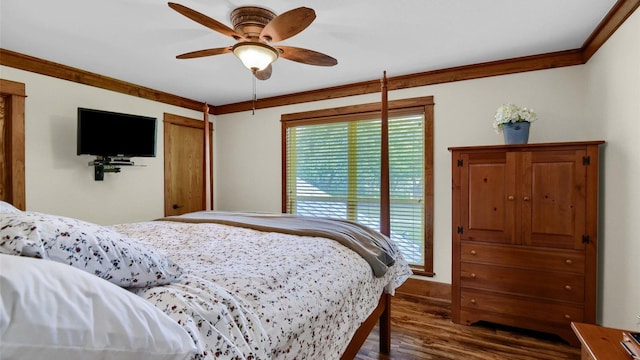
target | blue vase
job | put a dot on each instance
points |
(516, 133)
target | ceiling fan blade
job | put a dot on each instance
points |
(203, 53)
(306, 56)
(206, 21)
(263, 74)
(288, 24)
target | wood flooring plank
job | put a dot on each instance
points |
(422, 330)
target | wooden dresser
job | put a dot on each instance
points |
(524, 232)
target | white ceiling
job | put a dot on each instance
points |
(137, 40)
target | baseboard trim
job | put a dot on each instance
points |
(426, 289)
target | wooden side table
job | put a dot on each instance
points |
(600, 343)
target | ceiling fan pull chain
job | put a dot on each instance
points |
(253, 111)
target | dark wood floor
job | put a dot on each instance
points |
(423, 330)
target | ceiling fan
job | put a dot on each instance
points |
(254, 29)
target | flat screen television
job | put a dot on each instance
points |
(112, 134)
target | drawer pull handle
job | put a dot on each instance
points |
(473, 275)
(568, 262)
(567, 316)
(473, 301)
(473, 252)
(526, 198)
(567, 287)
(510, 197)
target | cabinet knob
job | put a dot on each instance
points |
(473, 275)
(567, 316)
(567, 287)
(526, 198)
(473, 252)
(510, 197)
(473, 301)
(568, 262)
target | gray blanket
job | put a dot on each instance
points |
(373, 246)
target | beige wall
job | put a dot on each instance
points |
(60, 182)
(613, 107)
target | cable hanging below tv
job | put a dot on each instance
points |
(114, 138)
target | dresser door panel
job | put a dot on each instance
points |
(486, 185)
(553, 211)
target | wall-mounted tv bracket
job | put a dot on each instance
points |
(104, 164)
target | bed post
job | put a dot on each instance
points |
(382, 313)
(385, 326)
(206, 171)
(385, 212)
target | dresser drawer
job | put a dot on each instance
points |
(540, 284)
(523, 257)
(480, 303)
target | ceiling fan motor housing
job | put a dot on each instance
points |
(250, 20)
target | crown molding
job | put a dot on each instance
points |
(468, 72)
(44, 67)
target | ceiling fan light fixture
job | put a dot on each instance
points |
(254, 55)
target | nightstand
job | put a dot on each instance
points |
(600, 343)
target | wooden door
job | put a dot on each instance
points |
(5, 150)
(552, 198)
(487, 188)
(12, 179)
(183, 165)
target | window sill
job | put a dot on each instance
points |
(419, 270)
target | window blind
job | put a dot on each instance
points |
(333, 170)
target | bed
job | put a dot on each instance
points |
(206, 285)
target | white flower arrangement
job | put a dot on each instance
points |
(510, 113)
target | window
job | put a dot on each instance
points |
(332, 165)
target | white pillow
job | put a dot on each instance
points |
(90, 247)
(53, 311)
(5, 207)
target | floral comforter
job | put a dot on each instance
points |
(249, 294)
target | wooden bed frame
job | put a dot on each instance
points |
(382, 312)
